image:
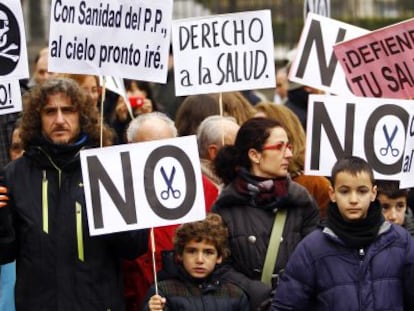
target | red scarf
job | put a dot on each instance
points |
(263, 192)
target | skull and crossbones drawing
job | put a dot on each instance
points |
(4, 49)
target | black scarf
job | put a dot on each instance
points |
(62, 154)
(356, 234)
(263, 192)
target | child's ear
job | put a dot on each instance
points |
(374, 193)
(331, 192)
(219, 260)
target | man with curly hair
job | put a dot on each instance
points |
(197, 281)
(44, 225)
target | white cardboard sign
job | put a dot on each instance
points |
(10, 97)
(315, 63)
(121, 38)
(321, 7)
(13, 50)
(143, 185)
(222, 53)
(371, 128)
(407, 174)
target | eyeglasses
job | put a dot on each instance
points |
(280, 146)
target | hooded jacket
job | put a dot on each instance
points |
(59, 265)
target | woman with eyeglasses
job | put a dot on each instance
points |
(318, 186)
(258, 188)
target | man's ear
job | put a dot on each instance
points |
(331, 193)
(212, 151)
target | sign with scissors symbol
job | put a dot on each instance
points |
(394, 151)
(165, 194)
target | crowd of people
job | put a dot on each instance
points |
(273, 238)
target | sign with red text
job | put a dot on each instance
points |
(315, 63)
(371, 128)
(222, 53)
(143, 185)
(381, 63)
(120, 38)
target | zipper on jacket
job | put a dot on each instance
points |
(53, 164)
(45, 204)
(361, 253)
(79, 232)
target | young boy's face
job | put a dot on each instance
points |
(353, 194)
(199, 258)
(393, 209)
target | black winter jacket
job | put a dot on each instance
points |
(59, 265)
(249, 233)
(211, 294)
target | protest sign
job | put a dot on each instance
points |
(407, 174)
(143, 185)
(121, 38)
(320, 7)
(380, 64)
(371, 128)
(315, 63)
(13, 51)
(117, 86)
(223, 53)
(114, 84)
(10, 97)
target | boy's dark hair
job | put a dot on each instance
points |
(353, 165)
(211, 230)
(391, 189)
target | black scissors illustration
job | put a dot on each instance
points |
(165, 194)
(394, 151)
